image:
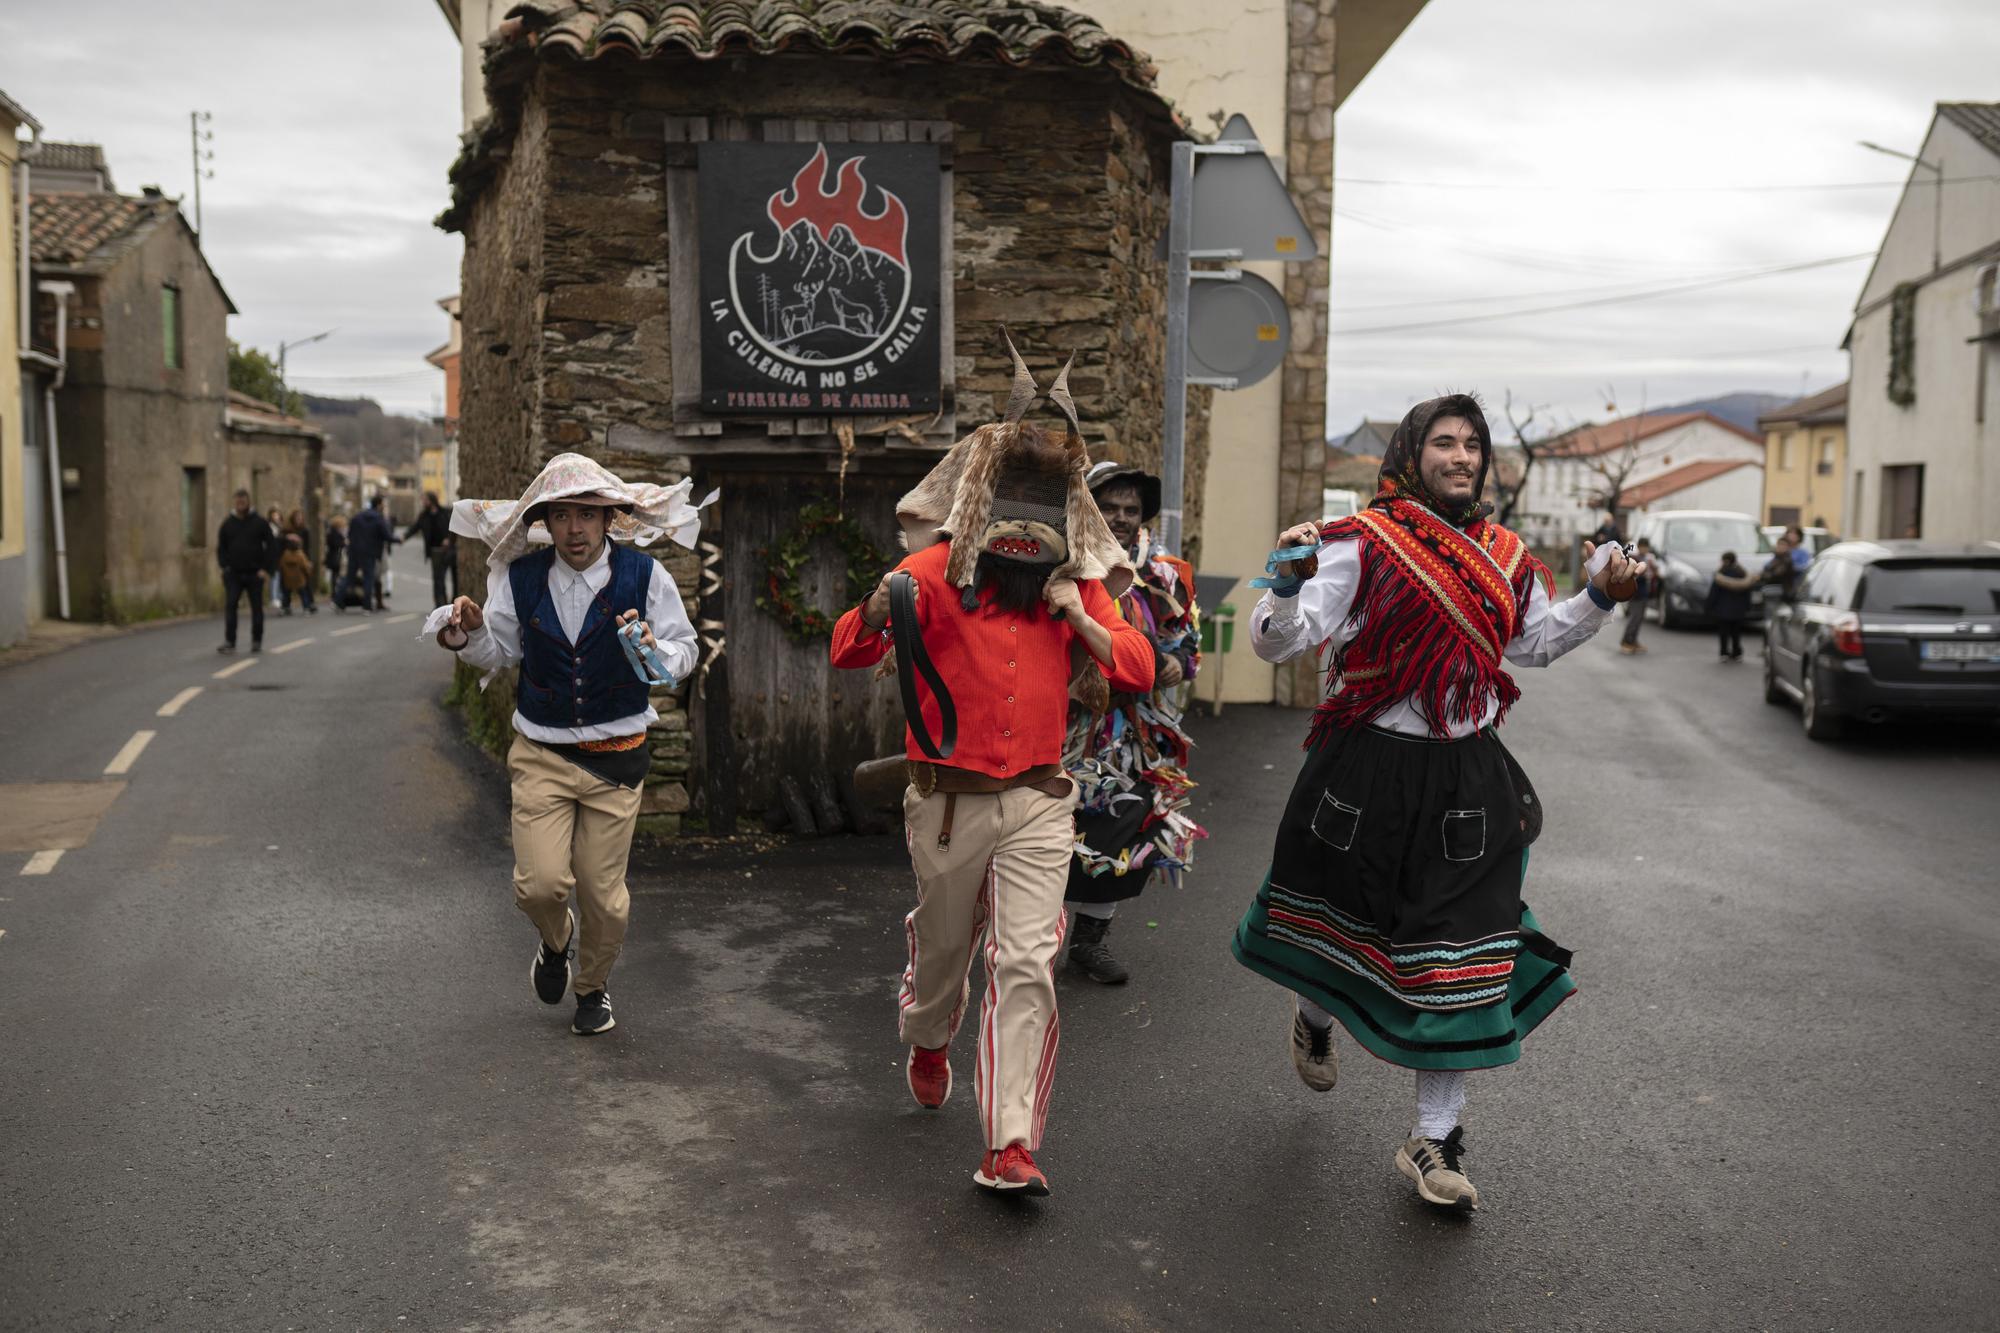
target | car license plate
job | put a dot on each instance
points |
(1941, 650)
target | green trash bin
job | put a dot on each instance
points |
(1222, 624)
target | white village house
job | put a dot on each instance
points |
(1924, 348)
(1678, 460)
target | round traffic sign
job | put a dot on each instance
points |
(1237, 330)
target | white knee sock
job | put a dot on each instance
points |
(1315, 1016)
(1440, 1098)
(1098, 911)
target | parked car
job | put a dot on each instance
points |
(1817, 539)
(1688, 545)
(1888, 629)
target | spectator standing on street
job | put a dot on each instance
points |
(1635, 610)
(440, 547)
(245, 549)
(1729, 604)
(1392, 905)
(369, 538)
(277, 522)
(336, 545)
(579, 755)
(1781, 571)
(295, 573)
(1802, 552)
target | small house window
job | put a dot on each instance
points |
(170, 325)
(1825, 467)
(1785, 452)
(194, 506)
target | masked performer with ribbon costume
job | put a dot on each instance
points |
(1009, 581)
(1393, 901)
(594, 627)
(1130, 759)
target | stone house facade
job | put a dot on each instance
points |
(577, 198)
(276, 457)
(139, 415)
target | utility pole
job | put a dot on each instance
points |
(1937, 206)
(284, 388)
(197, 136)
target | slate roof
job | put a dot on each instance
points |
(1682, 477)
(1016, 33)
(1815, 409)
(79, 230)
(1979, 119)
(254, 415)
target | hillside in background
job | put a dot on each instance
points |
(358, 429)
(1738, 409)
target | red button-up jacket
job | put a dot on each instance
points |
(1008, 672)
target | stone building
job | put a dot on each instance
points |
(581, 197)
(139, 321)
(276, 457)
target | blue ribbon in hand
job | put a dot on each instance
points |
(647, 663)
(1287, 585)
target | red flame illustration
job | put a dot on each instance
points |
(807, 199)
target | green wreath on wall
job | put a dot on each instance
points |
(782, 595)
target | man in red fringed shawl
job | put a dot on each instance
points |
(1393, 901)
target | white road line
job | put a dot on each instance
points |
(351, 629)
(287, 647)
(173, 706)
(235, 667)
(3, 934)
(125, 758)
(41, 863)
(397, 620)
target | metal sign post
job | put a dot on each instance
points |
(1248, 215)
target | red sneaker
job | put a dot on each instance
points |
(930, 1076)
(1008, 1169)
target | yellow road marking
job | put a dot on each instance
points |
(351, 629)
(295, 643)
(173, 706)
(41, 863)
(122, 762)
(235, 667)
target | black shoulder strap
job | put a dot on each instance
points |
(912, 659)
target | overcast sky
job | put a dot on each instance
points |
(1593, 149)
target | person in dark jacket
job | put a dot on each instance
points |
(440, 547)
(246, 550)
(369, 538)
(336, 546)
(1635, 610)
(1782, 571)
(1729, 604)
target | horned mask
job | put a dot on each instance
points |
(1017, 491)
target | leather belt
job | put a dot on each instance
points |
(912, 660)
(1048, 779)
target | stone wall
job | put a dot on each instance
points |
(1309, 100)
(1059, 198)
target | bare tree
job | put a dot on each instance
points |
(1614, 465)
(1512, 490)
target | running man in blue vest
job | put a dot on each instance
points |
(579, 756)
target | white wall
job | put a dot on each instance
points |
(1971, 211)
(1226, 58)
(1740, 490)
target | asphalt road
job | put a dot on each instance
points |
(271, 1059)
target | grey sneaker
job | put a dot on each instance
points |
(1436, 1165)
(593, 1014)
(1313, 1054)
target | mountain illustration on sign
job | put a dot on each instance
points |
(838, 278)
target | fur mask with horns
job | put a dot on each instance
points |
(1017, 491)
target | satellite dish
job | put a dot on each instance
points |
(1237, 330)
(1241, 204)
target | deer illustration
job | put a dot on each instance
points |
(798, 319)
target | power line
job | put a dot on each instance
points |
(1697, 285)
(1647, 189)
(1535, 296)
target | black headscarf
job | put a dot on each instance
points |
(1402, 472)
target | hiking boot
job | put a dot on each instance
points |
(550, 970)
(1088, 954)
(593, 1014)
(929, 1073)
(1435, 1165)
(1313, 1054)
(1011, 1170)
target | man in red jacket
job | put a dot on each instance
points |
(1012, 590)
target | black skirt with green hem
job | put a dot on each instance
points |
(1394, 901)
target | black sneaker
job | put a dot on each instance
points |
(550, 971)
(225, 648)
(257, 647)
(593, 1014)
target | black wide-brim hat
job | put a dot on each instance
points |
(1148, 485)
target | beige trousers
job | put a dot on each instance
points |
(572, 832)
(999, 887)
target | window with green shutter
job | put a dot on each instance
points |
(170, 325)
